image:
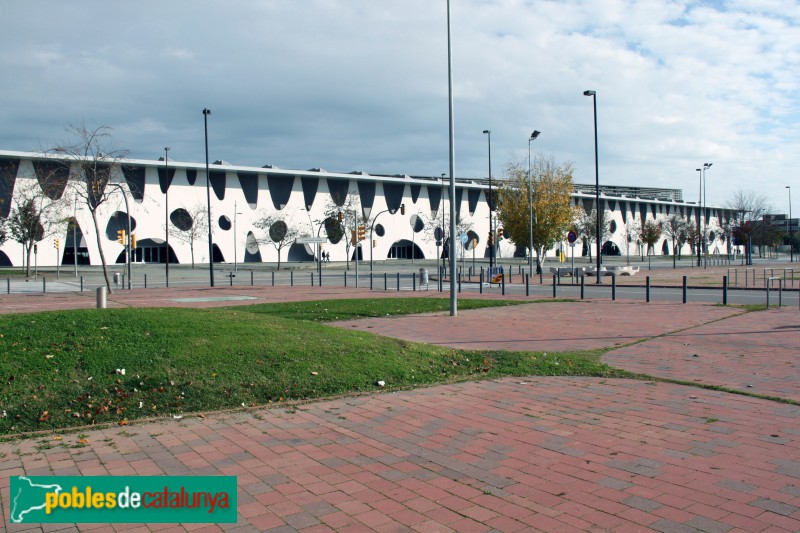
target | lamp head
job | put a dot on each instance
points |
(589, 93)
(707, 165)
(206, 111)
(167, 148)
(699, 169)
(487, 131)
(535, 134)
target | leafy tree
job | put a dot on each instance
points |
(551, 188)
(90, 156)
(674, 229)
(651, 232)
(278, 233)
(352, 215)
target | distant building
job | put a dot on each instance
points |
(303, 199)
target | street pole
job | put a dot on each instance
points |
(705, 220)
(75, 237)
(791, 235)
(452, 159)
(593, 94)
(491, 200)
(166, 212)
(207, 112)
(530, 205)
(699, 214)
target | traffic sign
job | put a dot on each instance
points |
(572, 236)
(464, 238)
(311, 240)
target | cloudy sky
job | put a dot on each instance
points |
(362, 85)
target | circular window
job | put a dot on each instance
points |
(224, 223)
(711, 236)
(380, 231)
(612, 227)
(277, 231)
(181, 219)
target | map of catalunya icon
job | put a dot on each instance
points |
(29, 497)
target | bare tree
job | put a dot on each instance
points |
(674, 228)
(278, 233)
(749, 208)
(90, 155)
(33, 217)
(632, 232)
(348, 214)
(192, 225)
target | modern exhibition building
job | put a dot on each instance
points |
(306, 201)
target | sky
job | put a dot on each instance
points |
(349, 85)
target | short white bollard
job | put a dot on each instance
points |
(101, 298)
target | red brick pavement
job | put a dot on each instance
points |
(539, 454)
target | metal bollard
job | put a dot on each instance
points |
(44, 285)
(614, 287)
(684, 289)
(480, 282)
(583, 285)
(101, 298)
(398, 282)
(145, 281)
(8, 285)
(81, 283)
(273, 277)
(312, 279)
(527, 284)
(320, 279)
(555, 285)
(459, 282)
(291, 277)
(345, 278)
(724, 290)
(370, 281)
(252, 281)
(647, 289)
(385, 281)
(503, 285)
(414, 282)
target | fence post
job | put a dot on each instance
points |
(647, 289)
(724, 290)
(684, 289)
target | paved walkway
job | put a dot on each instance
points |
(534, 454)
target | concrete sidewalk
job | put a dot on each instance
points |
(534, 454)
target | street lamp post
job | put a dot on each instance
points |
(235, 235)
(166, 213)
(207, 112)
(705, 220)
(128, 246)
(791, 235)
(593, 94)
(530, 205)
(699, 214)
(491, 200)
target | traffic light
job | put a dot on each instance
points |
(374, 243)
(499, 234)
(491, 239)
(121, 236)
(340, 217)
(353, 237)
(133, 241)
(362, 232)
(402, 209)
(56, 244)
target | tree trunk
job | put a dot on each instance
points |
(28, 248)
(100, 248)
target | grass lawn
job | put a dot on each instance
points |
(64, 369)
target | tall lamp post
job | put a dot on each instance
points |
(705, 220)
(791, 235)
(699, 214)
(166, 212)
(593, 94)
(491, 200)
(207, 112)
(530, 204)
(452, 161)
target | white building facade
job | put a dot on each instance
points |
(158, 192)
